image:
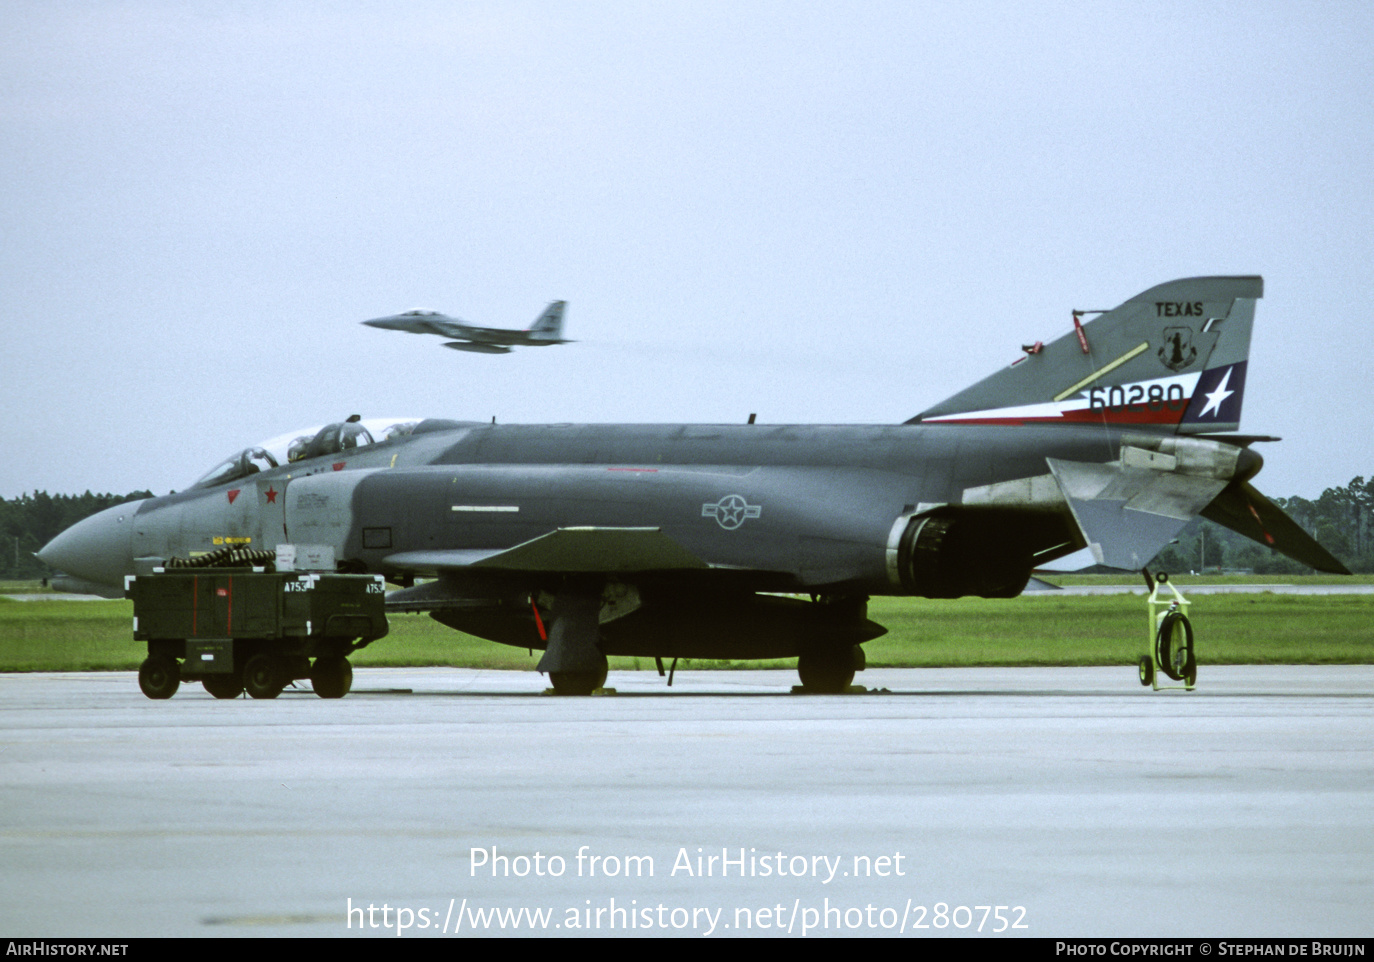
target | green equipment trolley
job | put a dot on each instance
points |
(253, 630)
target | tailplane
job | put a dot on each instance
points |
(1172, 358)
(549, 327)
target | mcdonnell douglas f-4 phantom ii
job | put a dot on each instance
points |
(547, 329)
(705, 541)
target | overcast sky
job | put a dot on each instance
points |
(820, 212)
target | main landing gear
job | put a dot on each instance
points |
(577, 682)
(829, 671)
(573, 657)
(824, 634)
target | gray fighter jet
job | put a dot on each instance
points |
(548, 329)
(755, 541)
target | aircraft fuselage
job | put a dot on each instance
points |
(795, 508)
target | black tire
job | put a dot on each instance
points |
(331, 677)
(1174, 645)
(159, 677)
(1147, 671)
(1190, 669)
(577, 682)
(262, 678)
(223, 686)
(827, 671)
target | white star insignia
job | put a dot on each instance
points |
(1215, 398)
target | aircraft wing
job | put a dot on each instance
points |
(567, 550)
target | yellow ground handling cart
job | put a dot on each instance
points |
(1170, 636)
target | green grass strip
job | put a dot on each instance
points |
(1054, 630)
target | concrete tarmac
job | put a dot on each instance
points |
(1206, 589)
(1068, 802)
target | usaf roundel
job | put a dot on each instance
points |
(731, 511)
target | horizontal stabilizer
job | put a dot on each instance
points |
(1245, 511)
(1128, 514)
(568, 550)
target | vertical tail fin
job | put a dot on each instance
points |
(1172, 358)
(549, 327)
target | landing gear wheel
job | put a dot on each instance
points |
(577, 682)
(159, 677)
(261, 677)
(331, 677)
(1174, 645)
(1147, 671)
(223, 686)
(826, 671)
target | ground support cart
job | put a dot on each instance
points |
(237, 630)
(1170, 635)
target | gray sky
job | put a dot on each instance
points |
(821, 212)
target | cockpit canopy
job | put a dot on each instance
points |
(330, 439)
(315, 442)
(246, 462)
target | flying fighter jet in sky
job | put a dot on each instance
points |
(548, 329)
(704, 541)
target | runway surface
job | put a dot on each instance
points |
(1079, 802)
(1206, 589)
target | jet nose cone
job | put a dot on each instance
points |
(99, 548)
(401, 322)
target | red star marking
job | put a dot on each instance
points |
(271, 495)
(233, 494)
(339, 465)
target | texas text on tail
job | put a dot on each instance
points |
(671, 541)
(548, 329)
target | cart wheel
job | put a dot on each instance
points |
(159, 677)
(261, 678)
(331, 677)
(223, 686)
(1147, 671)
(1174, 644)
(1190, 670)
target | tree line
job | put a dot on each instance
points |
(1342, 519)
(32, 520)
